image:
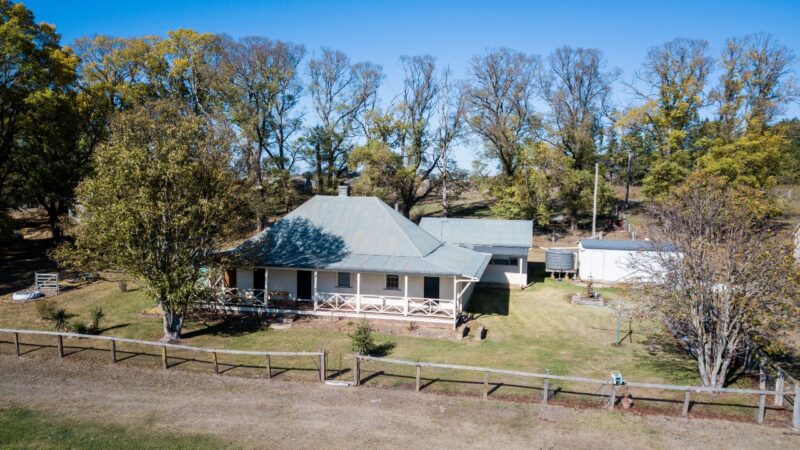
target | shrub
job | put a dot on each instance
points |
(97, 316)
(361, 340)
(80, 328)
(46, 308)
(60, 318)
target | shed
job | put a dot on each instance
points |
(611, 261)
(508, 241)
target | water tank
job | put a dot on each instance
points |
(559, 260)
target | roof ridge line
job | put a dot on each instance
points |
(394, 215)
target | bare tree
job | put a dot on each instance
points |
(721, 278)
(340, 92)
(577, 89)
(767, 78)
(452, 112)
(499, 100)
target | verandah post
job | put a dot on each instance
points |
(358, 292)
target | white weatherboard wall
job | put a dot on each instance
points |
(505, 274)
(371, 283)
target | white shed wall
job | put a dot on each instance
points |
(609, 266)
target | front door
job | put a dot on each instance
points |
(304, 285)
(259, 278)
(431, 287)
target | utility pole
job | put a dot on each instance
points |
(594, 203)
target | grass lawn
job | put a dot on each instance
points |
(23, 428)
(533, 330)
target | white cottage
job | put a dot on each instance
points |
(508, 241)
(351, 257)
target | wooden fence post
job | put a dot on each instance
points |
(113, 351)
(485, 384)
(419, 369)
(164, 357)
(323, 371)
(16, 343)
(269, 368)
(545, 389)
(60, 346)
(216, 363)
(779, 389)
(762, 398)
(796, 411)
(356, 370)
(687, 399)
(612, 399)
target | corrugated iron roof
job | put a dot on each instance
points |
(480, 232)
(357, 234)
(625, 245)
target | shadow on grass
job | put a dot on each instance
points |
(225, 325)
(488, 301)
(666, 357)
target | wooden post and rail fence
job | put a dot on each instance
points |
(321, 356)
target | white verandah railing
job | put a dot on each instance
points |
(406, 306)
(339, 302)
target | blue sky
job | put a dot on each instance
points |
(452, 31)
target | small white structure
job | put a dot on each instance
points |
(508, 241)
(616, 261)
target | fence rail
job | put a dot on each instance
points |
(546, 378)
(762, 393)
(322, 354)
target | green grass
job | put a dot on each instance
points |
(532, 330)
(24, 428)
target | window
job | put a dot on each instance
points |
(343, 279)
(393, 282)
(504, 261)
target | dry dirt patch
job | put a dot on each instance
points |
(256, 413)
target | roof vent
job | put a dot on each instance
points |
(344, 190)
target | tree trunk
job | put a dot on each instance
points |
(55, 226)
(628, 180)
(173, 324)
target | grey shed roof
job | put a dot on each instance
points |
(598, 244)
(357, 234)
(480, 232)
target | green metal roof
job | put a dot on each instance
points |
(357, 234)
(480, 232)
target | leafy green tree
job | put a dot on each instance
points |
(35, 72)
(158, 204)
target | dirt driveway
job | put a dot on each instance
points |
(256, 413)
